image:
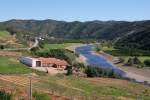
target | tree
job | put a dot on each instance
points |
(2, 47)
(147, 62)
(34, 49)
(136, 60)
(98, 47)
(130, 61)
(69, 70)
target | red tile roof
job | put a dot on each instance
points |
(53, 61)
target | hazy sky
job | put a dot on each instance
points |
(70, 10)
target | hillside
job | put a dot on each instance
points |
(107, 30)
(138, 40)
(9, 41)
(77, 88)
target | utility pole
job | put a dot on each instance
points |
(30, 88)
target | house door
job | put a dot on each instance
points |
(38, 63)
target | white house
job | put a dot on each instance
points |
(32, 62)
(44, 62)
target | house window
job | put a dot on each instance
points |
(38, 63)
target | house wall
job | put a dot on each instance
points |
(32, 63)
(46, 65)
(28, 61)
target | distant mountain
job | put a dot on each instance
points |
(122, 32)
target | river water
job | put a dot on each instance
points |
(97, 60)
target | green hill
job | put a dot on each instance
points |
(117, 31)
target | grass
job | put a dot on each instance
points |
(126, 54)
(58, 46)
(86, 88)
(10, 65)
(77, 86)
(4, 34)
(41, 96)
(10, 41)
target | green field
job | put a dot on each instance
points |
(10, 65)
(58, 46)
(126, 54)
(4, 34)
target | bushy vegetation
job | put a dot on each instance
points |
(5, 96)
(1, 47)
(147, 62)
(57, 53)
(40, 96)
(129, 56)
(94, 71)
(97, 47)
(135, 61)
(69, 70)
(125, 51)
(66, 41)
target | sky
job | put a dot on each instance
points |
(75, 10)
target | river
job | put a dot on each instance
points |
(97, 60)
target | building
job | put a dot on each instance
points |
(44, 62)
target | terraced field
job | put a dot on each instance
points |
(79, 88)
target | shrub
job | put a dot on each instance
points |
(81, 65)
(34, 49)
(147, 62)
(94, 71)
(40, 96)
(2, 47)
(98, 48)
(69, 70)
(130, 61)
(5, 96)
(136, 60)
(121, 60)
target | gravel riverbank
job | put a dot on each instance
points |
(139, 74)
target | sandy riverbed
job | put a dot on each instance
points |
(139, 74)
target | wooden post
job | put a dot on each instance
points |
(30, 88)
